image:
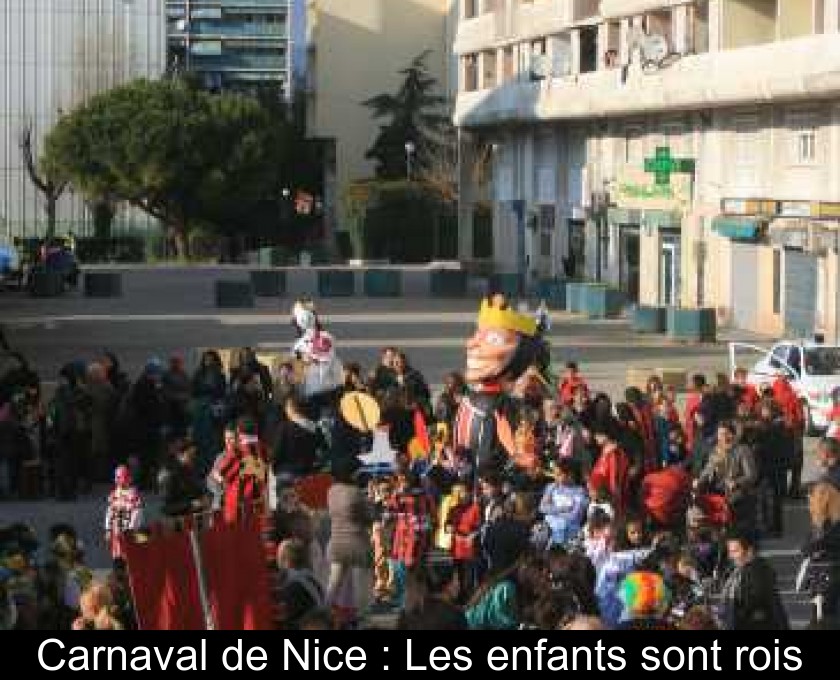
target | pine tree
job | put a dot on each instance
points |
(414, 114)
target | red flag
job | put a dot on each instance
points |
(164, 582)
(238, 587)
(421, 434)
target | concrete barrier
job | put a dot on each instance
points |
(103, 285)
(336, 283)
(45, 283)
(575, 297)
(647, 319)
(692, 325)
(602, 302)
(448, 283)
(234, 294)
(507, 284)
(269, 283)
(553, 291)
(382, 283)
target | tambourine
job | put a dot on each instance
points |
(360, 411)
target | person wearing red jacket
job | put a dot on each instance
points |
(611, 473)
(572, 381)
(794, 416)
(244, 473)
(464, 522)
(692, 406)
(665, 495)
(749, 396)
(643, 417)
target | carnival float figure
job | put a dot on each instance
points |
(506, 344)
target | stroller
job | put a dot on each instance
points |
(710, 515)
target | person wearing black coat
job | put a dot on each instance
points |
(179, 482)
(298, 443)
(751, 599)
(772, 444)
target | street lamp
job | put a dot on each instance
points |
(409, 155)
(128, 6)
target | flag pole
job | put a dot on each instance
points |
(209, 623)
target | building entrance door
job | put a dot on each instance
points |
(629, 261)
(575, 263)
(669, 272)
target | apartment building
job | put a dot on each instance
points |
(233, 45)
(54, 55)
(686, 151)
(355, 51)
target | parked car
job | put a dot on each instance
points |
(813, 369)
(58, 257)
(11, 269)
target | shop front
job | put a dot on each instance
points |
(649, 205)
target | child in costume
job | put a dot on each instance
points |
(124, 512)
(244, 473)
(564, 504)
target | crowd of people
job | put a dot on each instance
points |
(643, 512)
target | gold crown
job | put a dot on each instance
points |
(496, 314)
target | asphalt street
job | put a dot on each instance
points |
(163, 313)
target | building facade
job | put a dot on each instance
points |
(236, 45)
(355, 52)
(54, 55)
(686, 151)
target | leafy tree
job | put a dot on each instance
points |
(414, 114)
(186, 157)
(46, 178)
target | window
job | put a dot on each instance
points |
(508, 64)
(491, 6)
(777, 281)
(819, 16)
(489, 69)
(698, 18)
(634, 146)
(588, 49)
(612, 45)
(470, 9)
(470, 66)
(804, 134)
(660, 23)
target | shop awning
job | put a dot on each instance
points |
(616, 9)
(737, 228)
(662, 219)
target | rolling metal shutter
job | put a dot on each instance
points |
(800, 287)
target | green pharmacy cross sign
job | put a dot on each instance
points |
(663, 165)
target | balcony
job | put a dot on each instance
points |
(239, 62)
(528, 20)
(236, 4)
(227, 29)
(750, 75)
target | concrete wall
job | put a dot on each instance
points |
(768, 321)
(56, 54)
(359, 48)
(749, 22)
(796, 18)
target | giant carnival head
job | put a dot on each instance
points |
(504, 345)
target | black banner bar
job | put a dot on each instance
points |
(391, 652)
